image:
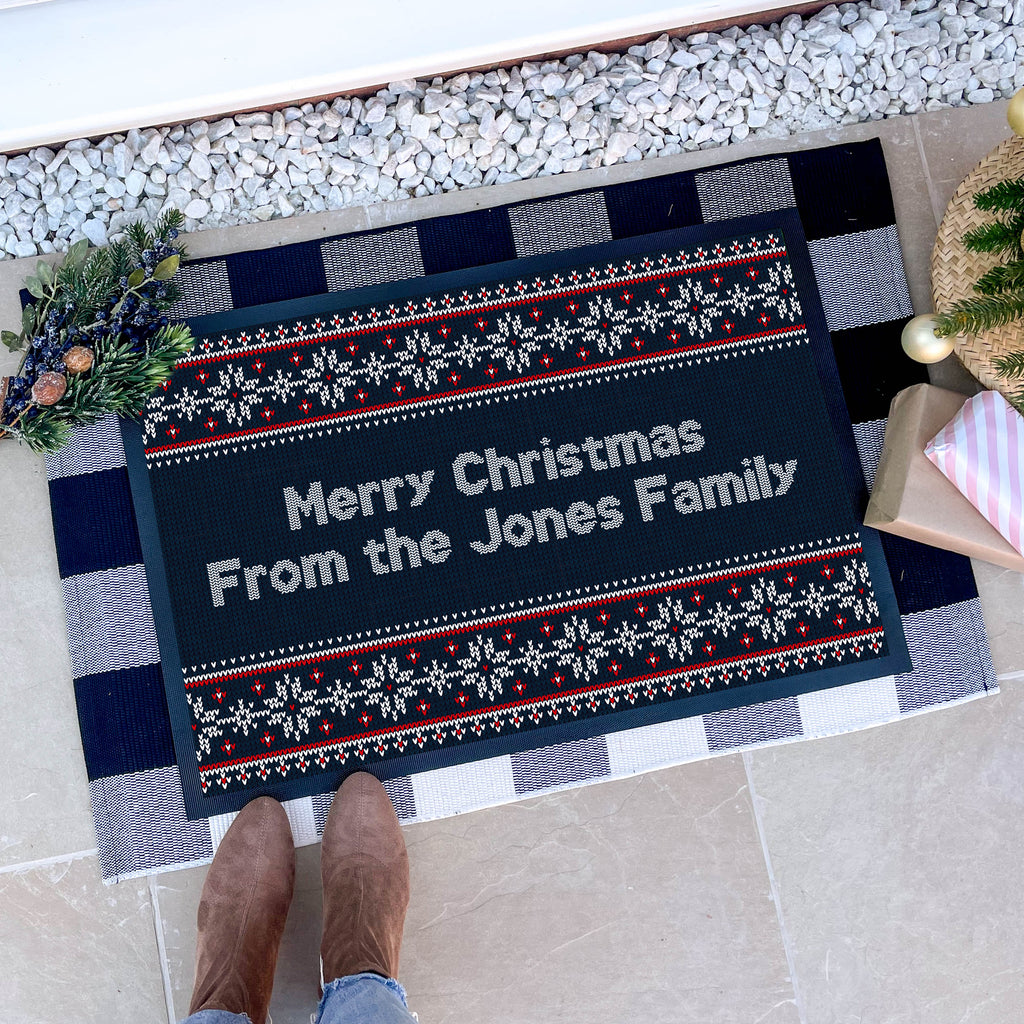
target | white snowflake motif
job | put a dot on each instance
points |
(740, 300)
(768, 610)
(651, 318)
(281, 387)
(561, 334)
(604, 324)
(485, 667)
(532, 658)
(376, 367)
(514, 342)
(340, 697)
(307, 703)
(328, 376)
(854, 591)
(720, 620)
(816, 600)
(696, 309)
(387, 687)
(629, 638)
(435, 678)
(431, 359)
(581, 649)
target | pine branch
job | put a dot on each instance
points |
(1007, 277)
(1015, 398)
(997, 237)
(41, 434)
(1011, 365)
(977, 315)
(1004, 195)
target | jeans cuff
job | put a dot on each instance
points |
(217, 1017)
(339, 984)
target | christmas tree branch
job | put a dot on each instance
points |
(1007, 277)
(997, 237)
(1005, 196)
(1011, 365)
(976, 315)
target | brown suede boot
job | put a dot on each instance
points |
(365, 869)
(242, 912)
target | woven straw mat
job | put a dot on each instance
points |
(955, 270)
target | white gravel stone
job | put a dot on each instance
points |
(864, 34)
(844, 64)
(197, 209)
(199, 165)
(135, 182)
(95, 231)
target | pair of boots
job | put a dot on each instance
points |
(245, 899)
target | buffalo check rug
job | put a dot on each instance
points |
(506, 502)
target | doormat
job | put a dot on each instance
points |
(535, 502)
(433, 570)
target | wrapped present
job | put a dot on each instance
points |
(981, 451)
(912, 499)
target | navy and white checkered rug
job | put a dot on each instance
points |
(842, 197)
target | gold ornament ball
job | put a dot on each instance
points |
(1015, 113)
(922, 344)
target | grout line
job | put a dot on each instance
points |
(44, 862)
(161, 949)
(774, 888)
(1005, 677)
(938, 208)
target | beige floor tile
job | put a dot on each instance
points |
(270, 234)
(640, 900)
(44, 802)
(895, 853)
(75, 950)
(1002, 605)
(952, 143)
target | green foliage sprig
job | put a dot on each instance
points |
(96, 339)
(1011, 367)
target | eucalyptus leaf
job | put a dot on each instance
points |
(77, 252)
(28, 319)
(166, 269)
(136, 277)
(45, 273)
(35, 287)
(11, 340)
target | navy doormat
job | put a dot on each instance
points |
(579, 437)
(434, 522)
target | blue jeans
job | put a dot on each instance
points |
(357, 999)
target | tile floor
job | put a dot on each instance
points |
(874, 877)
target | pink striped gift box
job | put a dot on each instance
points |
(981, 450)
